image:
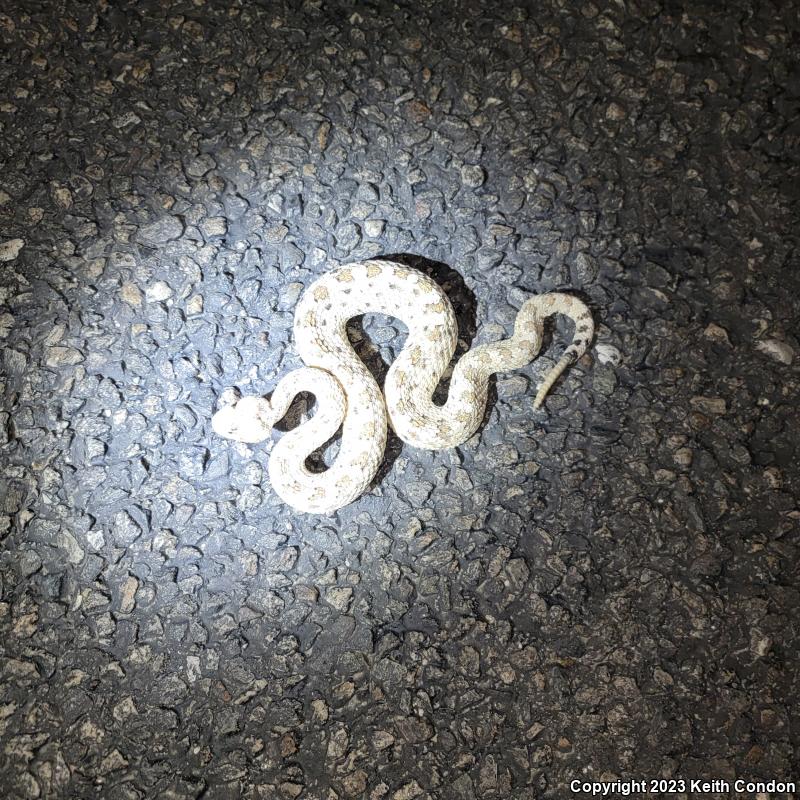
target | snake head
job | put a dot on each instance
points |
(248, 420)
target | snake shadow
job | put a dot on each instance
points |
(465, 308)
(378, 358)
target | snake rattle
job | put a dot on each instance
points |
(348, 396)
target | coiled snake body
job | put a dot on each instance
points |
(349, 397)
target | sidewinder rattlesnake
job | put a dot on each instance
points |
(349, 398)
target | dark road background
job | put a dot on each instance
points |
(605, 588)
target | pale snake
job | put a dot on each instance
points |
(348, 397)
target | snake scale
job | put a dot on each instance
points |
(349, 398)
